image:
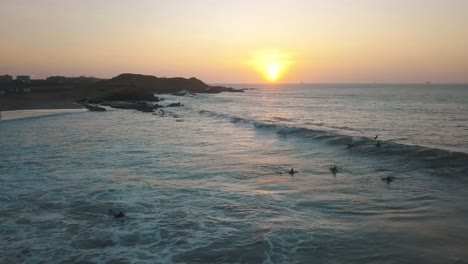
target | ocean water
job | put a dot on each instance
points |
(208, 182)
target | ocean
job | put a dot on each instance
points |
(208, 182)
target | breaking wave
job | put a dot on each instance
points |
(437, 161)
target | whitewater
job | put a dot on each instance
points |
(208, 182)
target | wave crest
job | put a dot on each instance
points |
(437, 161)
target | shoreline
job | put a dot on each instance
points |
(36, 101)
(25, 113)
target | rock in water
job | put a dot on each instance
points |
(140, 106)
(93, 108)
(175, 104)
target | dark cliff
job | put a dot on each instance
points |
(161, 85)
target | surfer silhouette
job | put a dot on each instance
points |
(334, 170)
(119, 215)
(388, 179)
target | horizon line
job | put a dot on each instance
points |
(265, 83)
(344, 83)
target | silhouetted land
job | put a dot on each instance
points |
(63, 92)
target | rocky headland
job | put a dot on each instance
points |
(125, 91)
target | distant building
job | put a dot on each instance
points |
(5, 78)
(23, 78)
(57, 79)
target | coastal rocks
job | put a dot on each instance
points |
(219, 89)
(175, 105)
(93, 108)
(138, 105)
(184, 93)
(123, 94)
(148, 83)
(145, 107)
(64, 92)
(135, 105)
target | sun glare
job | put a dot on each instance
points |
(272, 64)
(273, 69)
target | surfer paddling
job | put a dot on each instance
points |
(388, 179)
(334, 170)
(119, 214)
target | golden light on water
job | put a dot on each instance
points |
(272, 64)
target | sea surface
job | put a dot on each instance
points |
(208, 182)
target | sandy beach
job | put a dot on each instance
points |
(16, 114)
(33, 101)
(14, 106)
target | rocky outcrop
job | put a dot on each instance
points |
(183, 93)
(125, 94)
(154, 84)
(175, 104)
(67, 92)
(138, 105)
(219, 89)
(93, 108)
(137, 87)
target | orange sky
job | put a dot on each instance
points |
(238, 41)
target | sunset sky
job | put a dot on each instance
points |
(243, 41)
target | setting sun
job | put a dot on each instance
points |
(273, 69)
(271, 64)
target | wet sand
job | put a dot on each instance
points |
(14, 106)
(37, 101)
(16, 114)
